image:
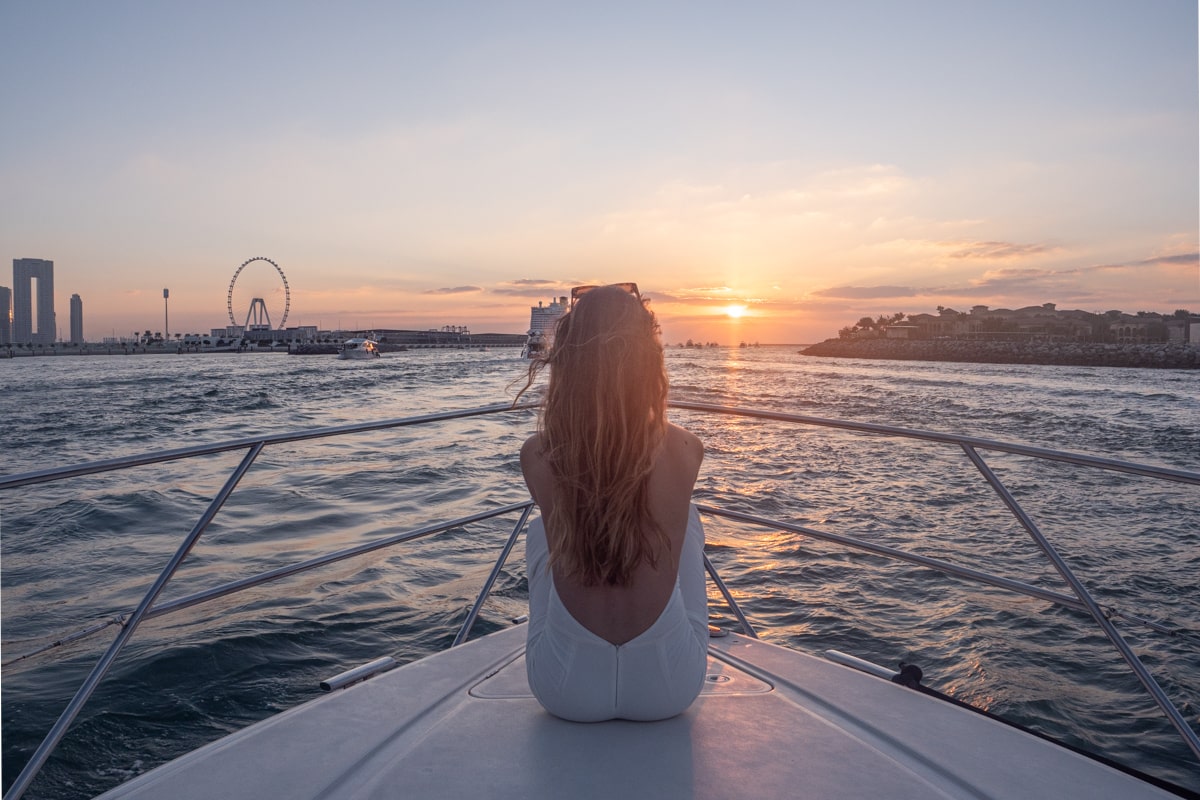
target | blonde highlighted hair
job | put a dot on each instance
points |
(602, 423)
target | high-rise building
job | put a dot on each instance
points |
(25, 272)
(76, 319)
(5, 315)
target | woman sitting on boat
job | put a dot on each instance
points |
(618, 617)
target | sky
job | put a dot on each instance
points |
(766, 172)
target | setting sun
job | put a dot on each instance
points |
(735, 311)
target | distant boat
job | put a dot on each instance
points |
(357, 348)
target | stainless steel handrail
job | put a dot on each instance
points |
(254, 446)
(158, 457)
(1110, 631)
(899, 555)
(147, 610)
(1130, 467)
(338, 555)
(1083, 600)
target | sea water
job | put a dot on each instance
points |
(79, 552)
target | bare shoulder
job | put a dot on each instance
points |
(683, 438)
(532, 447)
(535, 468)
(685, 445)
(533, 456)
(674, 477)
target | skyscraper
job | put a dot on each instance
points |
(76, 319)
(25, 272)
(5, 315)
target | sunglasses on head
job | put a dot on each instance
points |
(580, 291)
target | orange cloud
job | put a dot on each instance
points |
(999, 250)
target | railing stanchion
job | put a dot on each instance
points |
(747, 628)
(465, 630)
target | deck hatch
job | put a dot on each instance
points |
(721, 678)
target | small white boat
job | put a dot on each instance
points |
(357, 348)
(536, 343)
(771, 721)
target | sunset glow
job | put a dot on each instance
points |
(829, 161)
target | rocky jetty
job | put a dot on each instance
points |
(1165, 355)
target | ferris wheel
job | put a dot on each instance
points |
(257, 316)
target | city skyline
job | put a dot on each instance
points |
(769, 173)
(542, 315)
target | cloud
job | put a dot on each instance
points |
(1018, 285)
(1183, 259)
(868, 292)
(531, 283)
(454, 290)
(529, 287)
(695, 295)
(1009, 283)
(863, 180)
(997, 250)
(766, 215)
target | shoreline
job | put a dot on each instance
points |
(1160, 355)
(299, 350)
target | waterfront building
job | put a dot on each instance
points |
(1139, 328)
(76, 319)
(5, 315)
(30, 326)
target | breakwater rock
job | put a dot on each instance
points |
(1080, 354)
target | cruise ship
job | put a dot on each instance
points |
(541, 325)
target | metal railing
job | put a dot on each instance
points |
(1080, 599)
(146, 609)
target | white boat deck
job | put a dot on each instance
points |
(770, 723)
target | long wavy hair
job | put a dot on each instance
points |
(602, 423)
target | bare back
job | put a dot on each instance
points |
(618, 614)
